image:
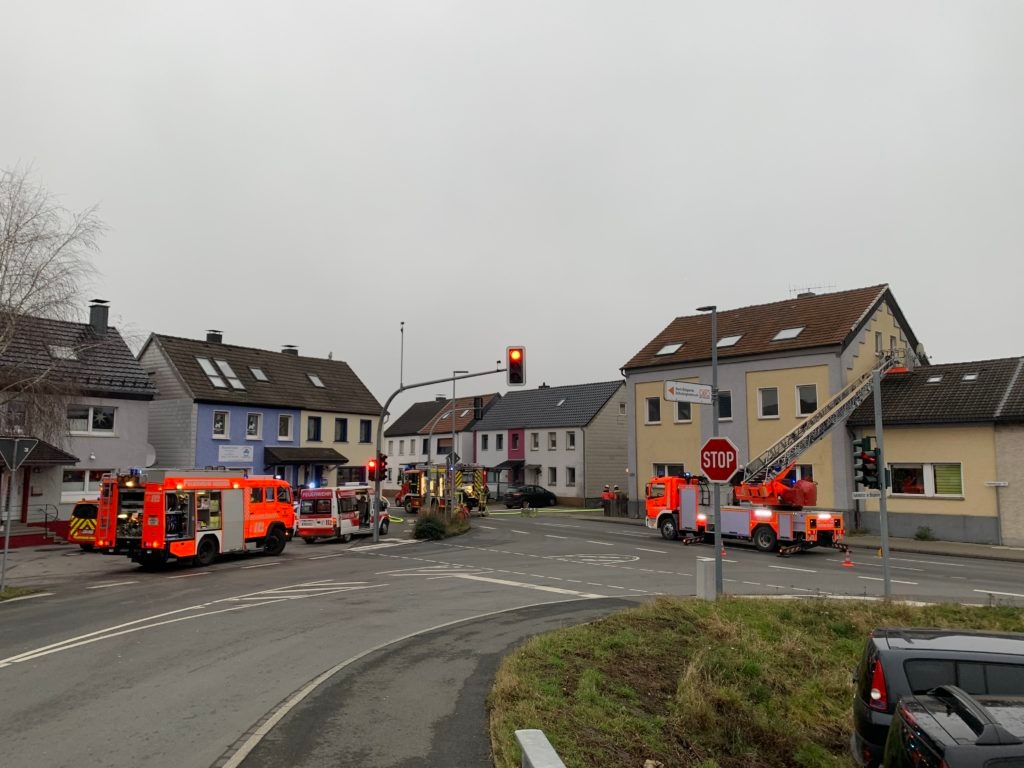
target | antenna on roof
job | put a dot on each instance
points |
(803, 291)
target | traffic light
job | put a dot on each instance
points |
(515, 361)
(371, 470)
(871, 468)
(382, 466)
(860, 453)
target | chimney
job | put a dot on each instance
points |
(290, 349)
(806, 295)
(440, 399)
(214, 336)
(98, 314)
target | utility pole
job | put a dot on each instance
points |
(717, 492)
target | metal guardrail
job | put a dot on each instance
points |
(537, 750)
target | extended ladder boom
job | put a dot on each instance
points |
(815, 426)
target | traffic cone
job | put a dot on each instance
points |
(879, 552)
(848, 563)
(723, 550)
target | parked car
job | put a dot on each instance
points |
(901, 662)
(950, 728)
(82, 528)
(519, 495)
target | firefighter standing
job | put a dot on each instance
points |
(607, 497)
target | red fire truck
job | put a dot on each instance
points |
(195, 515)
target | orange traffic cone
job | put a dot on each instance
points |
(848, 563)
(723, 550)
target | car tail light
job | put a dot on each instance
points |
(878, 698)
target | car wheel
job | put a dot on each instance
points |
(206, 552)
(668, 528)
(274, 543)
(765, 539)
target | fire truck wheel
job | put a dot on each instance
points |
(668, 528)
(274, 543)
(309, 539)
(206, 552)
(409, 509)
(345, 538)
(765, 539)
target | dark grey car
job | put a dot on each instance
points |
(518, 495)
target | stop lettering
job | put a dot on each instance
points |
(719, 459)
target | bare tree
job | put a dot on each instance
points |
(45, 265)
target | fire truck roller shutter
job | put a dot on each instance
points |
(233, 519)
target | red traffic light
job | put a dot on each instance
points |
(371, 469)
(515, 362)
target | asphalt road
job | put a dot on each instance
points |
(118, 667)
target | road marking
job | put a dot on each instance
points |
(659, 551)
(525, 585)
(788, 568)
(324, 557)
(552, 536)
(488, 527)
(958, 578)
(724, 560)
(993, 592)
(25, 597)
(929, 562)
(190, 575)
(514, 530)
(260, 565)
(894, 581)
(602, 543)
(112, 584)
(558, 525)
(753, 583)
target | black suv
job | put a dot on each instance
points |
(948, 727)
(904, 662)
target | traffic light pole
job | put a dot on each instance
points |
(380, 433)
(883, 486)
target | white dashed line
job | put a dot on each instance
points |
(658, 551)
(518, 531)
(552, 536)
(260, 565)
(113, 584)
(190, 575)
(1004, 594)
(788, 568)
(894, 581)
(602, 543)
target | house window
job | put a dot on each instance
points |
(535, 441)
(313, 429)
(570, 441)
(284, 426)
(499, 442)
(669, 349)
(800, 472)
(725, 405)
(77, 483)
(878, 342)
(622, 409)
(806, 399)
(552, 441)
(412, 445)
(258, 374)
(729, 341)
(684, 412)
(928, 479)
(552, 476)
(391, 446)
(315, 380)
(483, 442)
(514, 441)
(341, 430)
(663, 470)
(401, 447)
(426, 446)
(253, 426)
(211, 373)
(768, 402)
(229, 374)
(787, 333)
(570, 476)
(653, 410)
(91, 419)
(365, 428)
(221, 423)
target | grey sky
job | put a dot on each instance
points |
(565, 175)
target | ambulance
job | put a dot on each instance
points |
(339, 512)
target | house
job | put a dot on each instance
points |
(776, 363)
(953, 442)
(569, 439)
(424, 432)
(77, 388)
(308, 420)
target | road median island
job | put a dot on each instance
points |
(741, 682)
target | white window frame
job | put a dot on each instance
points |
(401, 447)
(760, 403)
(675, 415)
(535, 441)
(720, 416)
(89, 430)
(799, 410)
(89, 489)
(499, 442)
(552, 441)
(647, 410)
(928, 472)
(259, 425)
(258, 373)
(570, 440)
(391, 446)
(227, 426)
(289, 435)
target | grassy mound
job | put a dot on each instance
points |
(435, 527)
(689, 683)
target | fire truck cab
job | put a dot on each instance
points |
(337, 513)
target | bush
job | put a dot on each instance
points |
(429, 527)
(924, 533)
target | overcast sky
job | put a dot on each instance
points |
(568, 175)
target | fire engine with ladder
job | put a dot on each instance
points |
(768, 511)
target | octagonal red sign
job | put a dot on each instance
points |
(719, 459)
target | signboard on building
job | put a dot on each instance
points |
(682, 392)
(226, 453)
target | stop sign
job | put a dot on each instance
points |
(719, 459)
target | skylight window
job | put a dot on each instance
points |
(669, 349)
(229, 374)
(934, 379)
(728, 341)
(258, 374)
(969, 377)
(788, 333)
(464, 413)
(63, 353)
(316, 380)
(212, 373)
(560, 403)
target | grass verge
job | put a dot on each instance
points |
(12, 592)
(736, 683)
(435, 527)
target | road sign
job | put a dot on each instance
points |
(15, 450)
(867, 494)
(682, 392)
(452, 458)
(719, 459)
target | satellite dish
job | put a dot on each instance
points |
(150, 455)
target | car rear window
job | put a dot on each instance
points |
(975, 677)
(84, 512)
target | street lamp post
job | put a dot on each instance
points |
(430, 472)
(719, 578)
(451, 479)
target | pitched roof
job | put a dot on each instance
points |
(464, 414)
(288, 383)
(830, 319)
(72, 354)
(940, 394)
(574, 405)
(418, 414)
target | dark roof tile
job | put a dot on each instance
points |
(574, 405)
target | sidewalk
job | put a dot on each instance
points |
(874, 542)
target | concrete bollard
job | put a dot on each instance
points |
(706, 580)
(537, 750)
